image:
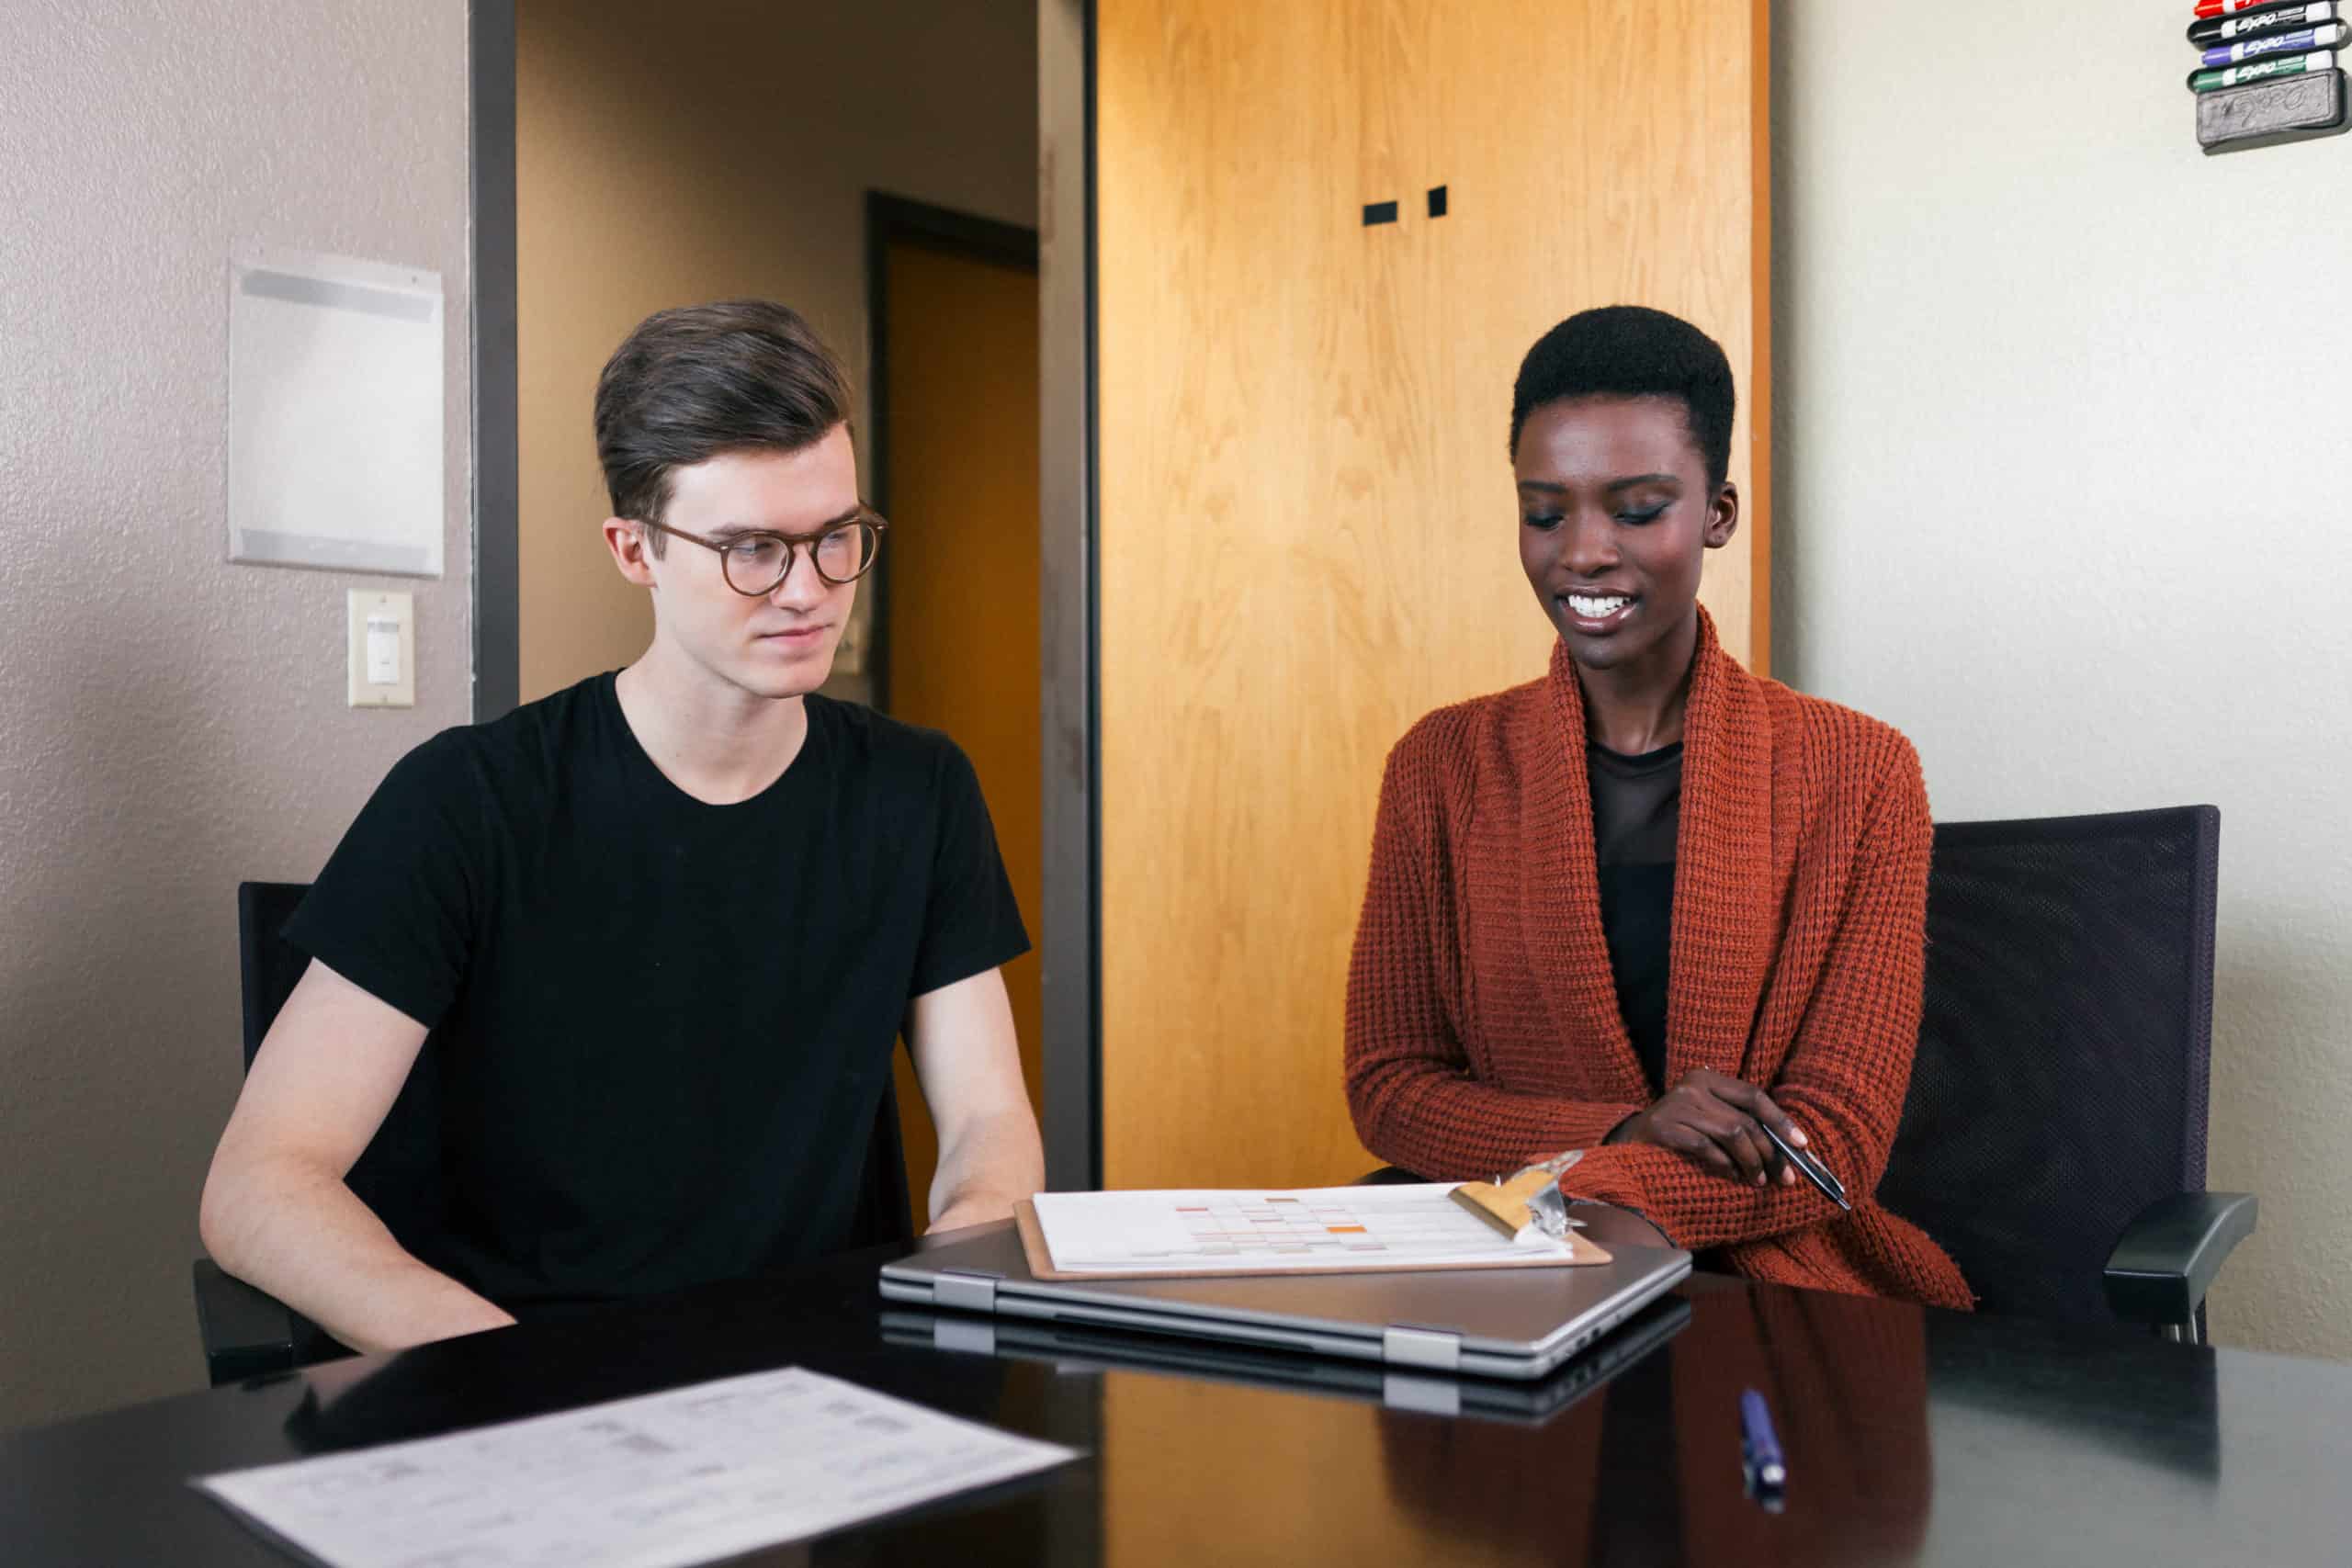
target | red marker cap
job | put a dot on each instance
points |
(2229, 8)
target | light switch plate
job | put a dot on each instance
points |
(380, 659)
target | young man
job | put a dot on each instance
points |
(660, 929)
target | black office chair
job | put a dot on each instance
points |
(2056, 1115)
(247, 1332)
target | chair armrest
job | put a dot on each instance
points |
(247, 1332)
(2168, 1255)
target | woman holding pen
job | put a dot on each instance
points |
(1649, 905)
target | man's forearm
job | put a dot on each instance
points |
(298, 1233)
(987, 1168)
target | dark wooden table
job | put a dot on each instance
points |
(1912, 1436)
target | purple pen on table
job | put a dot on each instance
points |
(1760, 1447)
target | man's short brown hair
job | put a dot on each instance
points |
(691, 383)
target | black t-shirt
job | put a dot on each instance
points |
(662, 1027)
(1637, 819)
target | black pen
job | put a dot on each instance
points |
(1812, 1168)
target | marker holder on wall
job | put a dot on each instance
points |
(2268, 71)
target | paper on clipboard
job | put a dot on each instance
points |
(1255, 1231)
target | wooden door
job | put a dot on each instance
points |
(960, 388)
(1307, 525)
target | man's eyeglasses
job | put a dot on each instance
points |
(755, 563)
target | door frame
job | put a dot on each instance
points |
(898, 219)
(1068, 607)
(497, 455)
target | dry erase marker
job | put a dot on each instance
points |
(2231, 7)
(2332, 36)
(2262, 70)
(2222, 29)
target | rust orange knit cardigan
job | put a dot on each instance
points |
(1482, 1023)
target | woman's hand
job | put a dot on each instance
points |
(1711, 1119)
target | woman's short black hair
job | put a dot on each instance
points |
(1631, 351)
(692, 383)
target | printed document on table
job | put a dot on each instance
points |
(657, 1481)
(1417, 1225)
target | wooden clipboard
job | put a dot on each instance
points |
(1581, 1252)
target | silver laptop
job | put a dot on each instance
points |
(1067, 1346)
(1497, 1323)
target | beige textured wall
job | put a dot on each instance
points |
(712, 148)
(2059, 456)
(170, 723)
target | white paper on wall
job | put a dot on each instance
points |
(334, 415)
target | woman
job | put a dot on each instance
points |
(1647, 902)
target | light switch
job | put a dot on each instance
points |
(381, 658)
(383, 649)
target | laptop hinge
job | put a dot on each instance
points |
(1429, 1347)
(965, 1292)
(963, 1334)
(1430, 1396)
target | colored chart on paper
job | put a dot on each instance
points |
(1278, 1222)
(1416, 1226)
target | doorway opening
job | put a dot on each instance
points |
(951, 312)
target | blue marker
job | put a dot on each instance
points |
(2332, 36)
(1759, 1449)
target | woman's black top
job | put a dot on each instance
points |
(1637, 814)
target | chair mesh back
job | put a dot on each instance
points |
(2060, 1080)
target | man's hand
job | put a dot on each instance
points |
(1712, 1120)
(976, 1212)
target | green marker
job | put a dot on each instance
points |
(2262, 71)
